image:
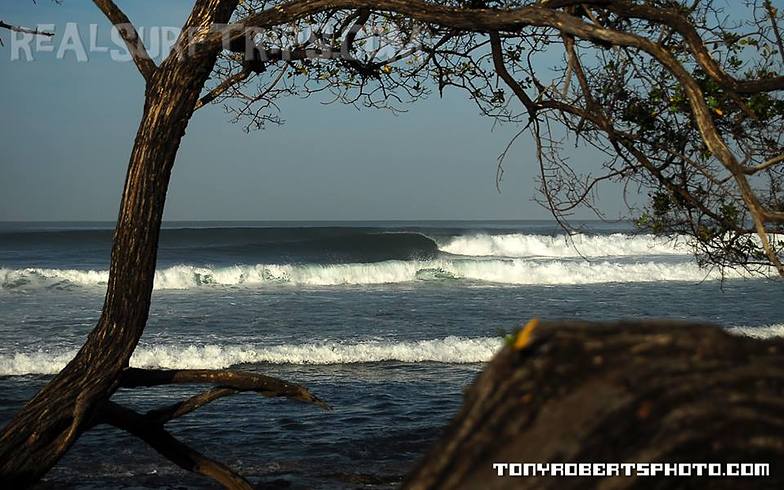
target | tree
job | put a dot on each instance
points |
(677, 108)
(685, 103)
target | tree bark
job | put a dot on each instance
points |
(630, 392)
(50, 423)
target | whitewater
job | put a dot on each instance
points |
(512, 271)
(513, 259)
(449, 350)
(522, 245)
(388, 322)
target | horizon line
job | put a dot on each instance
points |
(338, 220)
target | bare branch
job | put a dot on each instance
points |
(682, 25)
(225, 378)
(176, 410)
(488, 20)
(225, 85)
(773, 14)
(127, 31)
(25, 30)
(764, 165)
(498, 63)
(168, 446)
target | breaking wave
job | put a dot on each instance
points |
(455, 350)
(520, 245)
(499, 271)
(765, 332)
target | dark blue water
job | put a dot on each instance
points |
(388, 322)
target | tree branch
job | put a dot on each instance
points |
(127, 31)
(488, 20)
(593, 113)
(25, 30)
(168, 446)
(166, 414)
(224, 378)
(500, 68)
(762, 166)
(683, 26)
(150, 426)
(225, 85)
(772, 13)
(512, 20)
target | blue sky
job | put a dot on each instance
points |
(68, 128)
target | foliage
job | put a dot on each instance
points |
(617, 97)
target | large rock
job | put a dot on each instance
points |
(617, 392)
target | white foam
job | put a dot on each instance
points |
(457, 350)
(520, 245)
(31, 277)
(764, 332)
(34, 362)
(501, 271)
(565, 273)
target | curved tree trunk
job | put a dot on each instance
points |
(617, 393)
(49, 424)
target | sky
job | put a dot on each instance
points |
(68, 128)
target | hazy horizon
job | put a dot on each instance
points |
(396, 220)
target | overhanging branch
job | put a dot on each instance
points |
(685, 28)
(24, 30)
(764, 165)
(489, 20)
(225, 85)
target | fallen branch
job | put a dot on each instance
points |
(223, 378)
(150, 426)
(170, 447)
(176, 410)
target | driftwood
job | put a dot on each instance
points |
(627, 392)
(150, 426)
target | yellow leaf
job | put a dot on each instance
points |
(525, 335)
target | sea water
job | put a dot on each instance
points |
(387, 322)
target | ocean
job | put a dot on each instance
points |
(386, 321)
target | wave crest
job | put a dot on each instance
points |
(499, 271)
(454, 350)
(521, 245)
(764, 332)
